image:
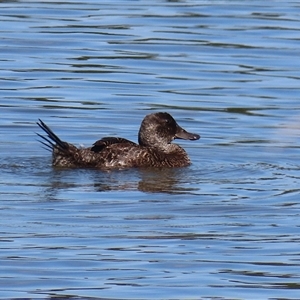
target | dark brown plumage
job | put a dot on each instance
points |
(155, 149)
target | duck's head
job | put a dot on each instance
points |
(160, 129)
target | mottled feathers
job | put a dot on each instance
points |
(155, 149)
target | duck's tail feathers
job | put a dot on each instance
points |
(51, 141)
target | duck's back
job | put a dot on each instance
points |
(107, 153)
(116, 153)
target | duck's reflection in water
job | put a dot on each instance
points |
(165, 180)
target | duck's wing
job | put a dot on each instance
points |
(108, 141)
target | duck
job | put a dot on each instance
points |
(154, 148)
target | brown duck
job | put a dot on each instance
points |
(154, 149)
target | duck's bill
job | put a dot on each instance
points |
(183, 134)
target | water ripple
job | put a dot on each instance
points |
(224, 227)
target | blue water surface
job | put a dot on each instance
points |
(227, 227)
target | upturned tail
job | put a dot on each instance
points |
(52, 141)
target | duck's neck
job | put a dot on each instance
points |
(157, 144)
(154, 141)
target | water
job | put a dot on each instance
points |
(227, 227)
